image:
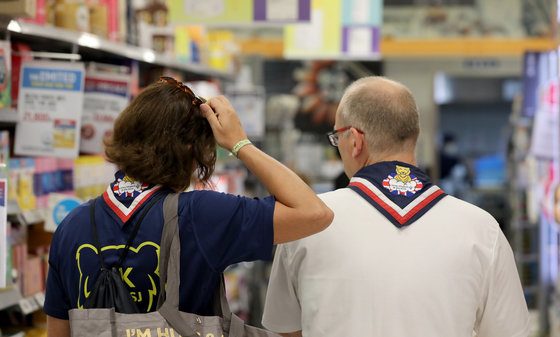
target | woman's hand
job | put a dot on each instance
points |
(224, 122)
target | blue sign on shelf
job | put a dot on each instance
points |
(62, 209)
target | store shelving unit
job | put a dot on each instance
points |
(85, 42)
(524, 231)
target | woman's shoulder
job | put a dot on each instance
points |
(197, 196)
(214, 203)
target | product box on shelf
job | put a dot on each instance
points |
(41, 10)
(64, 176)
(104, 18)
(5, 74)
(18, 8)
(4, 153)
(9, 257)
(20, 52)
(92, 174)
(44, 180)
(35, 181)
(19, 256)
(72, 15)
(33, 278)
(25, 167)
(31, 268)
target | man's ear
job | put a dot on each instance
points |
(358, 143)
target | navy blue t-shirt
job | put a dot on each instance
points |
(215, 229)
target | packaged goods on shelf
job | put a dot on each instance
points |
(32, 276)
(221, 50)
(43, 9)
(64, 176)
(28, 266)
(24, 8)
(9, 256)
(20, 53)
(5, 74)
(92, 174)
(104, 18)
(72, 15)
(44, 180)
(33, 180)
(4, 153)
(19, 256)
(22, 170)
(237, 284)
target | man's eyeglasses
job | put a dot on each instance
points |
(333, 135)
(197, 100)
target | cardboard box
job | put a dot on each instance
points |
(18, 8)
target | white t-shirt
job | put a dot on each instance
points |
(448, 274)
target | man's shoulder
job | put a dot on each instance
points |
(338, 195)
(338, 201)
(459, 207)
(462, 214)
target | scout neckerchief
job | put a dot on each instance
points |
(401, 192)
(125, 196)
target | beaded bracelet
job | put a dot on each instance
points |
(239, 145)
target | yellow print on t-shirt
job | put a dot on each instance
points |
(150, 253)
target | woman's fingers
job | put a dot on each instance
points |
(224, 121)
(210, 115)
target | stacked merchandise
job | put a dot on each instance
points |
(140, 23)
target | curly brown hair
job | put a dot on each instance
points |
(162, 138)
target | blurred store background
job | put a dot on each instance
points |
(485, 75)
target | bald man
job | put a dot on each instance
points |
(401, 258)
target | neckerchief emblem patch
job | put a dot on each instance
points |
(127, 187)
(402, 182)
(399, 191)
(125, 195)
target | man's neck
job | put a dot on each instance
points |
(404, 157)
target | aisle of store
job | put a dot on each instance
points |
(485, 79)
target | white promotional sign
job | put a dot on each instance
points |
(49, 109)
(105, 97)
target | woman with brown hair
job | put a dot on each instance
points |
(162, 142)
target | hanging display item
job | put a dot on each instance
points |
(50, 102)
(337, 29)
(239, 11)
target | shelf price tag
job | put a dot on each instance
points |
(28, 305)
(40, 299)
(32, 216)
